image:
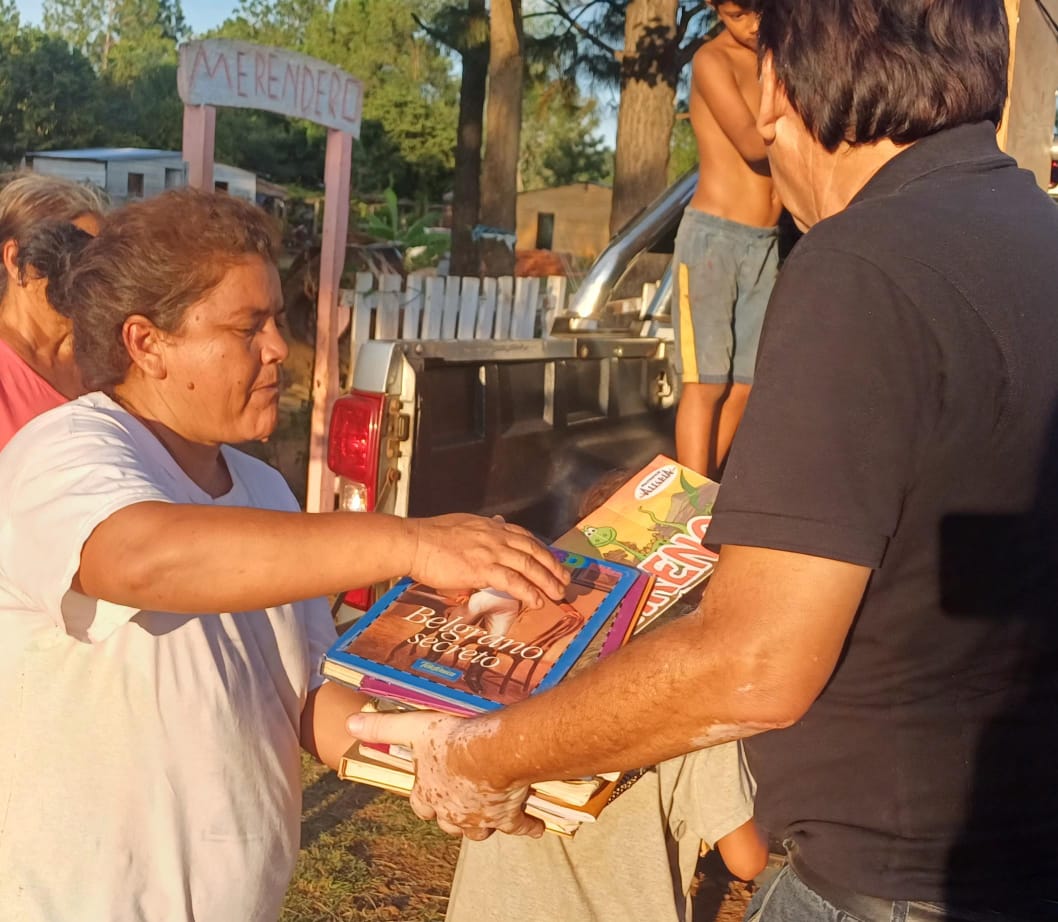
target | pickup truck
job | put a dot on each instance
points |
(518, 428)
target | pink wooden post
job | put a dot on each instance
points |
(319, 495)
(200, 129)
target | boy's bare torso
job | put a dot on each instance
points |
(729, 186)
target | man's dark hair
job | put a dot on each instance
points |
(863, 70)
(750, 6)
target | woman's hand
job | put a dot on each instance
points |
(469, 551)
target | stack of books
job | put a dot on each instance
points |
(562, 805)
(656, 521)
(420, 647)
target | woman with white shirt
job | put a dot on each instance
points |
(160, 612)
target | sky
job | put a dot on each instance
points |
(200, 14)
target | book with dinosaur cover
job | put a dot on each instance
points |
(484, 650)
(657, 522)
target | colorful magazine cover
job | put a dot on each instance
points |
(657, 522)
(481, 650)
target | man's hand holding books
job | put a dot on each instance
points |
(450, 788)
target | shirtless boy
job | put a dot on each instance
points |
(726, 254)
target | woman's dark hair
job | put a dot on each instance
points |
(154, 258)
(863, 70)
(50, 251)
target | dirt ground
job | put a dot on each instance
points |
(720, 897)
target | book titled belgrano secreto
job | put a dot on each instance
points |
(481, 650)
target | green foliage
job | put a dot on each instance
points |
(104, 72)
(145, 111)
(410, 94)
(410, 234)
(683, 155)
(409, 89)
(129, 86)
(281, 149)
(282, 23)
(122, 37)
(388, 224)
(583, 38)
(9, 22)
(82, 23)
(48, 96)
(559, 142)
(130, 58)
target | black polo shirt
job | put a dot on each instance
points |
(903, 418)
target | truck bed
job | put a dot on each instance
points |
(524, 436)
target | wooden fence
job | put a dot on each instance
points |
(449, 307)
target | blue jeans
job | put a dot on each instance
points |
(787, 899)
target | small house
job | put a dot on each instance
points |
(573, 219)
(131, 173)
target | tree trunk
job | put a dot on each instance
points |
(503, 123)
(108, 39)
(646, 112)
(466, 182)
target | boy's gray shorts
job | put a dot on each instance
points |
(722, 276)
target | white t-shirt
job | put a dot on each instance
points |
(149, 761)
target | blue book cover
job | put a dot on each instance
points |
(482, 650)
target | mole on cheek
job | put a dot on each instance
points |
(190, 385)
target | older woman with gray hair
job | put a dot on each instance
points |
(37, 368)
(157, 655)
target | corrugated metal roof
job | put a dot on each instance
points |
(108, 153)
(264, 187)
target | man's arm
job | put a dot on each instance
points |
(752, 658)
(203, 559)
(714, 81)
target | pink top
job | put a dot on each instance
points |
(23, 393)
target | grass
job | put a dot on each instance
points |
(366, 856)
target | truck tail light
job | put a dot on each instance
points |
(361, 599)
(353, 454)
(353, 446)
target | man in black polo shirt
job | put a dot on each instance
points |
(883, 623)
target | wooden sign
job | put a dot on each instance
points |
(219, 72)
